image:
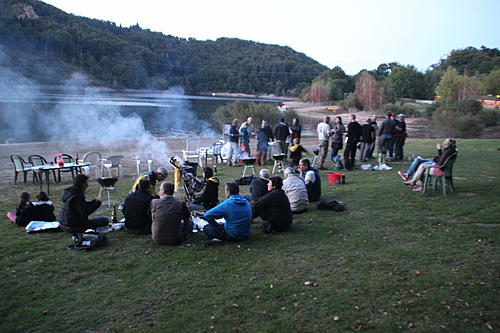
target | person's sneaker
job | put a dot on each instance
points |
(403, 175)
(418, 189)
(213, 241)
(410, 183)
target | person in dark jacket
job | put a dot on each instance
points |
(210, 196)
(76, 210)
(385, 133)
(43, 208)
(273, 208)
(258, 186)
(171, 222)
(296, 129)
(296, 151)
(264, 136)
(367, 138)
(24, 211)
(400, 137)
(353, 136)
(337, 131)
(311, 178)
(281, 133)
(136, 209)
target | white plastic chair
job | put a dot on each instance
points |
(113, 162)
(94, 158)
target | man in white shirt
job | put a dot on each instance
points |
(323, 137)
(296, 191)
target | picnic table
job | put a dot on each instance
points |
(47, 168)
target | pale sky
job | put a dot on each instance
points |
(353, 34)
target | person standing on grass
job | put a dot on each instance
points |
(237, 214)
(353, 136)
(375, 128)
(234, 138)
(387, 129)
(400, 137)
(273, 208)
(75, 209)
(171, 221)
(251, 132)
(264, 136)
(245, 140)
(281, 134)
(323, 130)
(367, 139)
(338, 130)
(311, 178)
(296, 129)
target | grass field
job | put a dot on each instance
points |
(394, 260)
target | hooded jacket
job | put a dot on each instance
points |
(237, 212)
(210, 196)
(75, 210)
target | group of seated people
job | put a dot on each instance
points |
(168, 220)
(272, 199)
(27, 211)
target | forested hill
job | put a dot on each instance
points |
(47, 44)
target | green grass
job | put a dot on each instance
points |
(394, 260)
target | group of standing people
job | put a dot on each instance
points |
(392, 133)
(240, 137)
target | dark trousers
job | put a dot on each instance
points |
(350, 154)
(400, 142)
(390, 146)
(214, 229)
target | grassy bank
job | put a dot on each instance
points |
(394, 260)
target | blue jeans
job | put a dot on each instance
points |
(416, 163)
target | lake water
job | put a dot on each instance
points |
(93, 114)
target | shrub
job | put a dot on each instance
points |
(458, 125)
(489, 117)
(241, 110)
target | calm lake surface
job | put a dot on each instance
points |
(92, 114)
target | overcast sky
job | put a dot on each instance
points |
(353, 34)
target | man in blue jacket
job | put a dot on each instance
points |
(237, 214)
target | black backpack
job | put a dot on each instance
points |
(331, 205)
(90, 239)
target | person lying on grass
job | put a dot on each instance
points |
(273, 208)
(449, 149)
(236, 212)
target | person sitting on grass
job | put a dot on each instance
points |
(449, 149)
(274, 208)
(43, 208)
(76, 210)
(296, 151)
(171, 221)
(24, 211)
(420, 160)
(136, 209)
(258, 186)
(296, 191)
(237, 214)
(210, 196)
(311, 178)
